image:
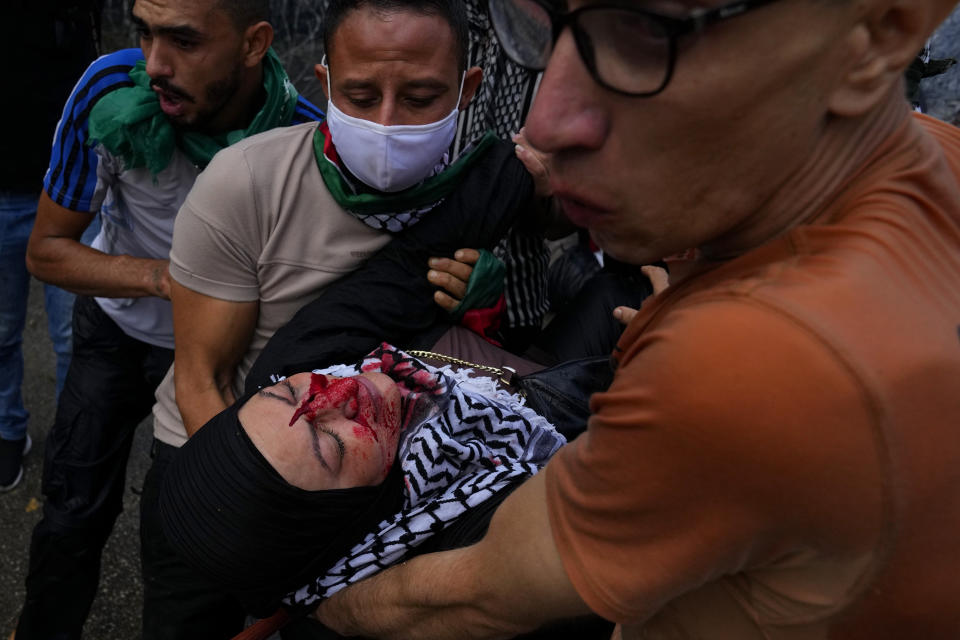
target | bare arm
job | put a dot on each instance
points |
(211, 337)
(56, 255)
(510, 582)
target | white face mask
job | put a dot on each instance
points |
(390, 158)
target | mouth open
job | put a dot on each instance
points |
(173, 105)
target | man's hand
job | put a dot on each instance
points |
(660, 280)
(535, 161)
(658, 277)
(56, 255)
(452, 275)
(160, 278)
(550, 217)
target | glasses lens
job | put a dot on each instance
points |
(630, 50)
(524, 30)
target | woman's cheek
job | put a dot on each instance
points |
(393, 413)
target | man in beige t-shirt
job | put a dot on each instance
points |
(271, 223)
(277, 218)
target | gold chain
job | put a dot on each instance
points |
(507, 375)
(452, 360)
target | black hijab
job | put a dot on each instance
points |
(232, 517)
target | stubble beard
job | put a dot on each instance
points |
(217, 95)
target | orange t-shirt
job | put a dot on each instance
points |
(779, 454)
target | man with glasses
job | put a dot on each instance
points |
(776, 457)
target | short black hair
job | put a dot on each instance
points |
(244, 13)
(453, 11)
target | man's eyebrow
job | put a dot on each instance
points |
(180, 31)
(427, 83)
(349, 85)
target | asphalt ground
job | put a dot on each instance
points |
(116, 611)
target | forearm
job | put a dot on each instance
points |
(211, 337)
(510, 582)
(423, 598)
(197, 406)
(70, 265)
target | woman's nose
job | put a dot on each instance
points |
(342, 395)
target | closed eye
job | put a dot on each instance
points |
(363, 103)
(421, 101)
(341, 449)
(287, 394)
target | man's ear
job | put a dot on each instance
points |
(321, 71)
(881, 45)
(471, 82)
(257, 40)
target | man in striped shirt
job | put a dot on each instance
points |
(137, 130)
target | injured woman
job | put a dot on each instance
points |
(323, 474)
(326, 477)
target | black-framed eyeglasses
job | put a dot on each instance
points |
(628, 50)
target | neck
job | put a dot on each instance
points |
(844, 146)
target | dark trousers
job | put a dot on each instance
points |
(178, 604)
(107, 393)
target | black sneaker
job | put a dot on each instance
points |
(11, 461)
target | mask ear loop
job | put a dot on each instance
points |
(463, 78)
(323, 63)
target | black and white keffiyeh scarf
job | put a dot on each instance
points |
(477, 440)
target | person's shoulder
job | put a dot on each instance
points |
(727, 418)
(121, 57)
(277, 139)
(268, 151)
(111, 70)
(256, 167)
(745, 375)
(713, 323)
(305, 111)
(732, 345)
(946, 133)
(106, 74)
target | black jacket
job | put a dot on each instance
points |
(389, 298)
